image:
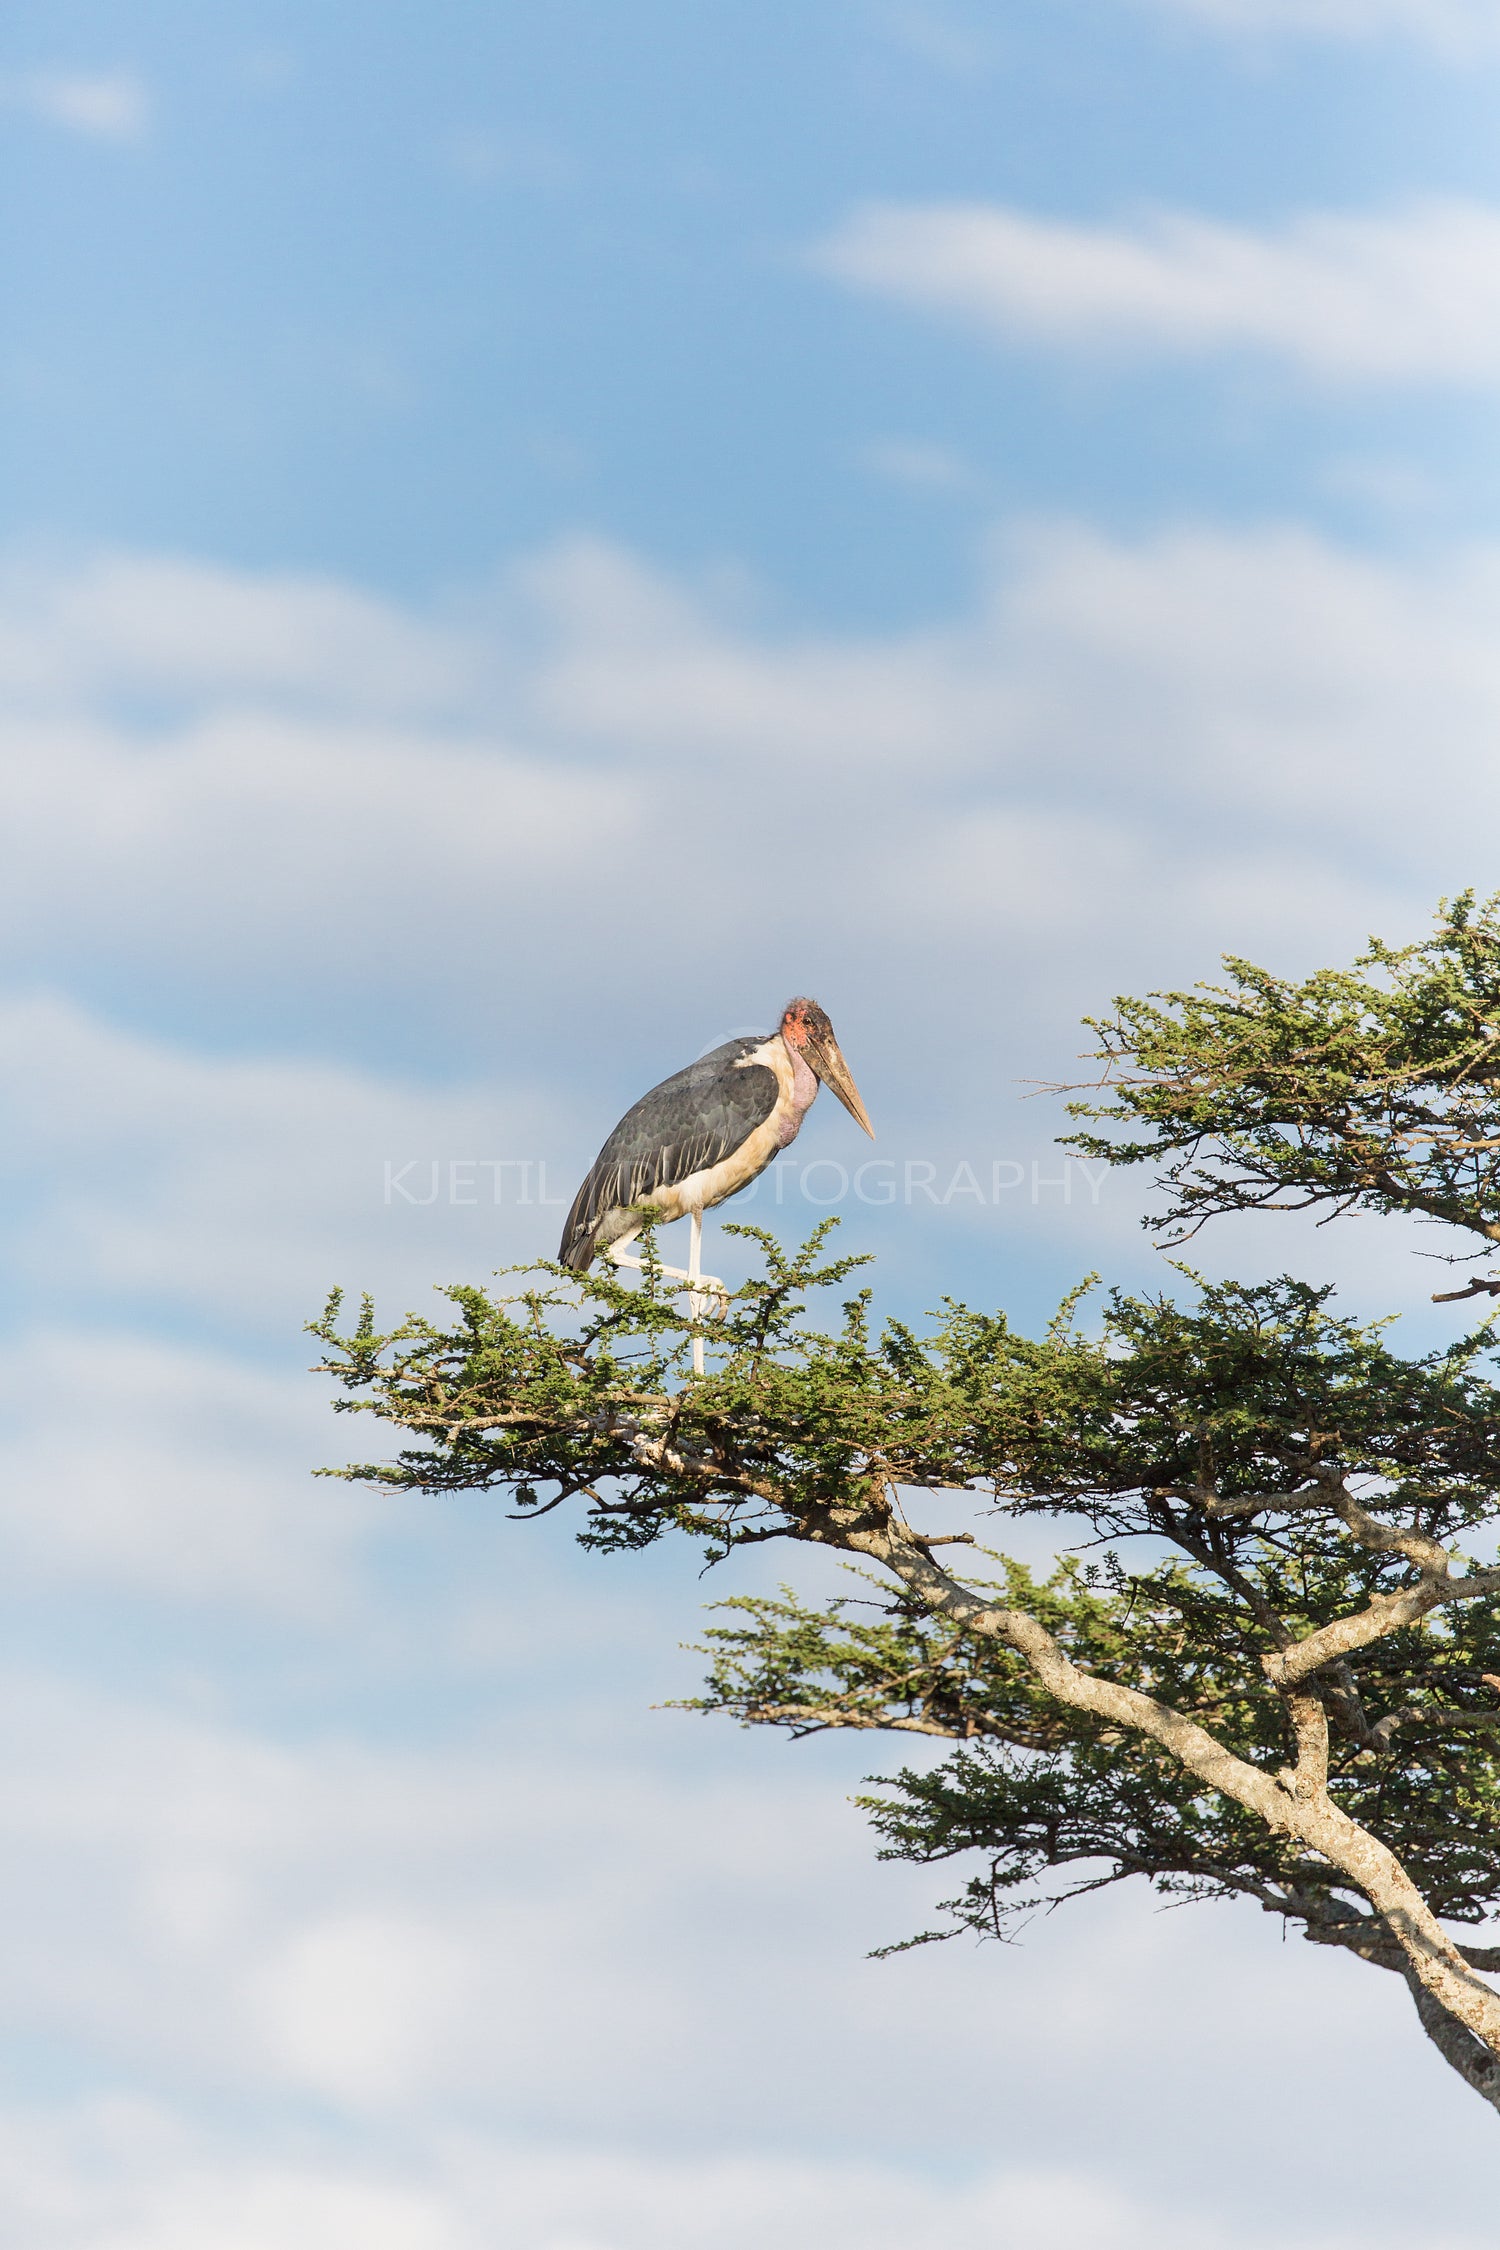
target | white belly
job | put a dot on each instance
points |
(701, 1190)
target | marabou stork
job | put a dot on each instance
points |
(704, 1134)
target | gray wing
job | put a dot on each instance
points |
(683, 1125)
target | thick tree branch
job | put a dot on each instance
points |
(1433, 1958)
(1386, 1613)
(1473, 2058)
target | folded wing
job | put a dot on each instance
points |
(687, 1124)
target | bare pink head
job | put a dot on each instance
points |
(807, 1031)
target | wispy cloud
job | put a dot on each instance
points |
(133, 2176)
(134, 1471)
(469, 1953)
(220, 777)
(103, 105)
(1453, 28)
(939, 36)
(920, 465)
(508, 157)
(1408, 295)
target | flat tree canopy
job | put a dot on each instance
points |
(1271, 1667)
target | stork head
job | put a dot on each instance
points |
(807, 1031)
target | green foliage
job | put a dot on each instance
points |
(1131, 1434)
(556, 1392)
(1378, 1090)
(577, 1386)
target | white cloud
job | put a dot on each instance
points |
(500, 1956)
(153, 2185)
(103, 106)
(1121, 758)
(129, 626)
(1193, 713)
(939, 36)
(918, 463)
(616, 817)
(361, 2005)
(120, 2175)
(1453, 29)
(1410, 295)
(509, 157)
(167, 1472)
(248, 1188)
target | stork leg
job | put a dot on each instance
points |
(700, 1285)
(695, 1274)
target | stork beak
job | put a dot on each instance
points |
(824, 1057)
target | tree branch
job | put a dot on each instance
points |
(1475, 2061)
(1385, 1613)
(1434, 1960)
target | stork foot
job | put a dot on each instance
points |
(694, 1284)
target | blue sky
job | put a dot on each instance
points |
(532, 533)
(394, 297)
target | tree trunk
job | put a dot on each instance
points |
(1457, 2045)
(1459, 2011)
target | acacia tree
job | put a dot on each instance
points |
(1271, 1667)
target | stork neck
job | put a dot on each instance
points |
(804, 1092)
